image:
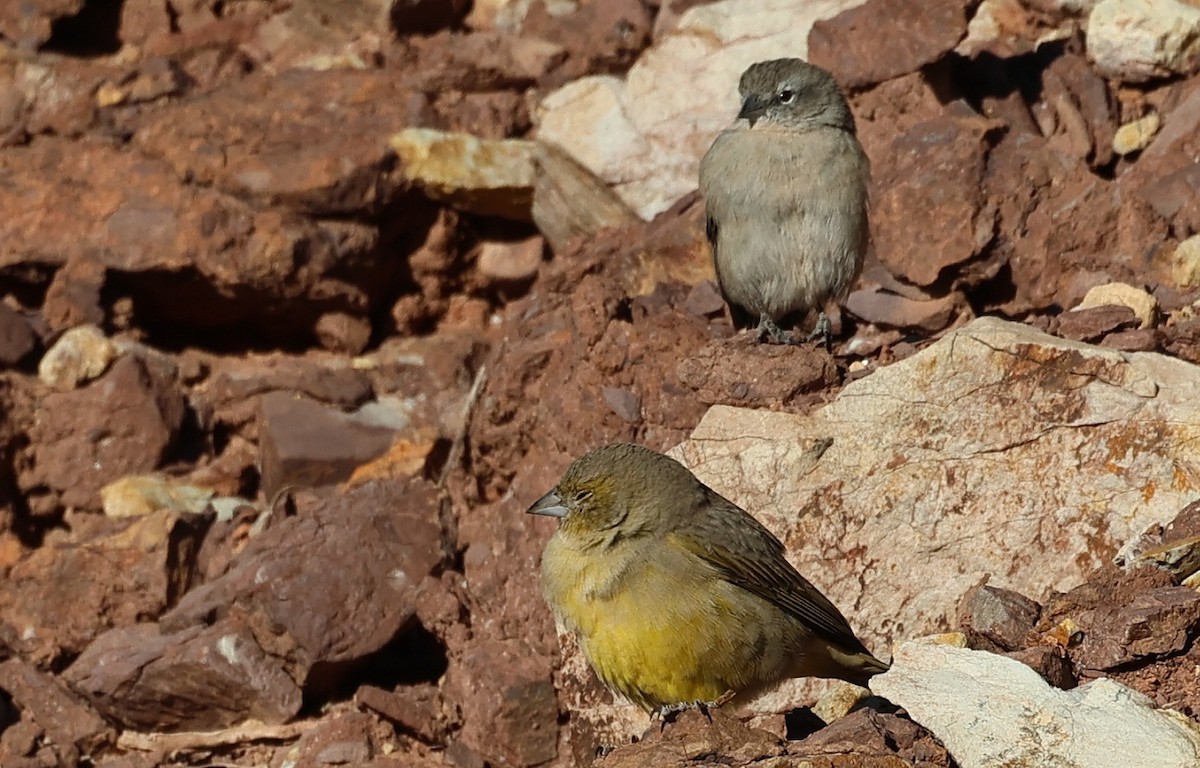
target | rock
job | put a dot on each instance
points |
(741, 371)
(995, 619)
(138, 495)
(989, 400)
(695, 740)
(1139, 40)
(1051, 662)
(889, 309)
(488, 177)
(1094, 324)
(1136, 135)
(346, 738)
(932, 184)
(1157, 622)
(645, 134)
(80, 355)
(416, 709)
(1144, 305)
(343, 332)
(305, 444)
(70, 730)
(198, 678)
(1174, 197)
(299, 607)
(16, 336)
(64, 594)
(510, 261)
(569, 201)
(29, 26)
(883, 39)
(227, 397)
(123, 423)
(425, 16)
(1185, 263)
(991, 711)
(872, 739)
(508, 703)
(267, 139)
(1076, 111)
(598, 36)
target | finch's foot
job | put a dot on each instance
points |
(822, 331)
(669, 713)
(771, 333)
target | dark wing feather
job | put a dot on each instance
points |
(750, 556)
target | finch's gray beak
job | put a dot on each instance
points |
(753, 108)
(549, 505)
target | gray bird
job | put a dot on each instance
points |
(785, 188)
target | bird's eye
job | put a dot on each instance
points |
(582, 496)
(787, 96)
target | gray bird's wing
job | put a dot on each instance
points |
(750, 556)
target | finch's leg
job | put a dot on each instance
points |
(770, 332)
(823, 330)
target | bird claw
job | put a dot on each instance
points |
(822, 331)
(771, 333)
(669, 713)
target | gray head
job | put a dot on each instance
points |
(792, 93)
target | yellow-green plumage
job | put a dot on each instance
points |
(676, 594)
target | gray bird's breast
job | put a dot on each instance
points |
(788, 211)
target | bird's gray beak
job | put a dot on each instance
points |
(549, 505)
(753, 108)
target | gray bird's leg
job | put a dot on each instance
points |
(823, 330)
(770, 332)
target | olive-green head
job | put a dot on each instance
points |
(620, 490)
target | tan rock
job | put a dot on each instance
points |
(491, 177)
(80, 355)
(1136, 135)
(1144, 305)
(1185, 263)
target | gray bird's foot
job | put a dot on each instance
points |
(822, 331)
(670, 712)
(771, 333)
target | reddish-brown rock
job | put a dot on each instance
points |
(883, 39)
(54, 724)
(996, 619)
(57, 600)
(742, 371)
(930, 213)
(123, 423)
(17, 338)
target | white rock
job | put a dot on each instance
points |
(1143, 304)
(992, 712)
(1136, 40)
(80, 355)
(646, 134)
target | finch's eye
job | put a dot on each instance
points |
(787, 96)
(582, 496)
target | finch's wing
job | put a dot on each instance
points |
(750, 556)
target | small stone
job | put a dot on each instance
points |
(80, 355)
(305, 443)
(342, 332)
(837, 702)
(1156, 622)
(138, 495)
(1092, 324)
(1143, 304)
(1051, 662)
(997, 619)
(1185, 263)
(510, 262)
(1136, 135)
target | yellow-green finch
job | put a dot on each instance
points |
(677, 595)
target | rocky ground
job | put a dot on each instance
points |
(300, 309)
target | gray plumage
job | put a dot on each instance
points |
(785, 188)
